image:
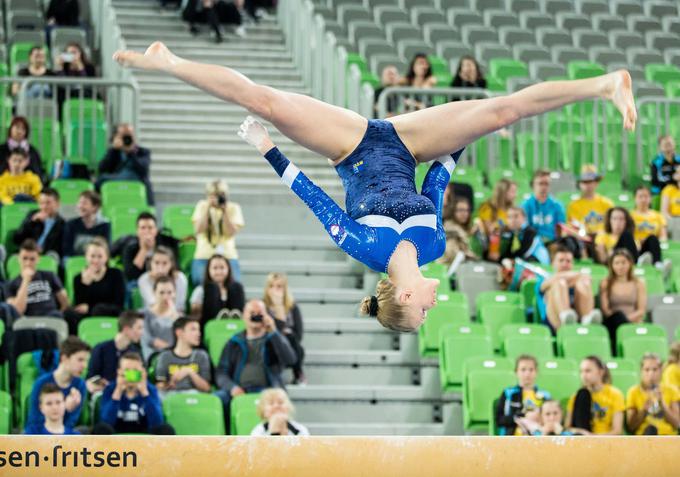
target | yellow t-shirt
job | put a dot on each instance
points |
(671, 376)
(218, 243)
(485, 213)
(636, 399)
(647, 224)
(589, 212)
(530, 402)
(606, 403)
(608, 240)
(27, 183)
(673, 193)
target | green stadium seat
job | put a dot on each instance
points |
(444, 314)
(27, 373)
(74, 265)
(530, 154)
(466, 175)
(18, 55)
(70, 189)
(484, 380)
(177, 219)
(77, 109)
(527, 338)
(11, 217)
(123, 224)
(186, 255)
(457, 344)
(578, 341)
(635, 347)
(662, 73)
(194, 414)
(495, 84)
(625, 373)
(653, 278)
(47, 263)
(243, 410)
(520, 176)
(646, 334)
(4, 369)
(597, 274)
(94, 330)
(559, 376)
(5, 413)
(6, 108)
(495, 309)
(439, 272)
(123, 194)
(584, 69)
(87, 140)
(137, 299)
(216, 335)
(505, 68)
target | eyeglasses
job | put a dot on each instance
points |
(462, 209)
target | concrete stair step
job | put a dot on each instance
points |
(369, 412)
(349, 341)
(360, 375)
(374, 429)
(304, 282)
(316, 295)
(346, 392)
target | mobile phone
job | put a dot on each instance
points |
(132, 375)
(67, 57)
(96, 379)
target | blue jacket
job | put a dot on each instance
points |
(131, 415)
(41, 430)
(662, 172)
(510, 405)
(36, 418)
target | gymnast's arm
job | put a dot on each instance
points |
(437, 179)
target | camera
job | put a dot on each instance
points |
(132, 375)
(67, 57)
(128, 140)
(257, 318)
(221, 199)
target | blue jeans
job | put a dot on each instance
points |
(198, 270)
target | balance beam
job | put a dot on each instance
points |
(195, 456)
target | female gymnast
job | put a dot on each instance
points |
(388, 225)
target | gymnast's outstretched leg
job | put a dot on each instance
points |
(433, 132)
(329, 130)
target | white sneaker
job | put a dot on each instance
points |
(592, 318)
(240, 31)
(666, 267)
(645, 259)
(567, 317)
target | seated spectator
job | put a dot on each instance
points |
(18, 138)
(130, 404)
(652, 408)
(37, 68)
(565, 295)
(596, 408)
(103, 366)
(159, 317)
(254, 359)
(89, 224)
(522, 401)
(186, 367)
(670, 197)
(219, 293)
(45, 226)
(99, 290)
(664, 164)
(520, 240)
(73, 356)
(35, 292)
(126, 160)
(623, 296)
(468, 74)
(52, 407)
(671, 372)
(650, 226)
(494, 214)
(275, 410)
(461, 230)
(587, 212)
(137, 251)
(63, 13)
(419, 75)
(216, 221)
(74, 63)
(543, 212)
(214, 13)
(162, 264)
(282, 307)
(17, 184)
(551, 420)
(389, 77)
(617, 233)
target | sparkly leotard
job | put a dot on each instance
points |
(383, 206)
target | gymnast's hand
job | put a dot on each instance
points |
(253, 132)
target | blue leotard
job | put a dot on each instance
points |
(383, 206)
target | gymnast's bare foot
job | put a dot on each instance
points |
(156, 58)
(620, 91)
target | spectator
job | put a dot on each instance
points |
(389, 77)
(671, 372)
(282, 307)
(521, 402)
(35, 292)
(216, 221)
(587, 212)
(162, 264)
(73, 357)
(103, 367)
(214, 13)
(618, 233)
(419, 75)
(596, 408)
(79, 231)
(253, 359)
(494, 214)
(186, 367)
(18, 136)
(159, 317)
(468, 74)
(551, 420)
(664, 164)
(99, 290)
(275, 409)
(520, 240)
(52, 407)
(126, 160)
(37, 68)
(130, 404)
(18, 184)
(45, 226)
(74, 63)
(650, 225)
(623, 296)
(137, 251)
(460, 230)
(543, 212)
(565, 295)
(652, 408)
(63, 13)
(670, 197)
(220, 292)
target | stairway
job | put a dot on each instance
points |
(362, 379)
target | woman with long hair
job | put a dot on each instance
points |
(219, 292)
(163, 264)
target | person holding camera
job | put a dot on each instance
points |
(253, 359)
(130, 404)
(216, 221)
(126, 161)
(73, 62)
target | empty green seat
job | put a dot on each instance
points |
(74, 265)
(177, 219)
(186, 255)
(46, 138)
(5, 413)
(466, 175)
(457, 344)
(646, 334)
(584, 69)
(578, 341)
(505, 68)
(97, 329)
(625, 373)
(77, 109)
(123, 224)
(194, 414)
(46, 263)
(438, 317)
(526, 338)
(484, 380)
(559, 376)
(11, 217)
(243, 410)
(520, 176)
(496, 309)
(531, 156)
(662, 73)
(86, 139)
(70, 189)
(123, 194)
(653, 278)
(217, 333)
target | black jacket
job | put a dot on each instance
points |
(131, 248)
(139, 161)
(65, 12)
(32, 229)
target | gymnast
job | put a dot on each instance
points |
(388, 226)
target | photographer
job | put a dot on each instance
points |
(126, 161)
(216, 221)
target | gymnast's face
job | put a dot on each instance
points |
(420, 298)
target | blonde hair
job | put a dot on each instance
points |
(674, 355)
(272, 393)
(98, 242)
(288, 300)
(217, 187)
(391, 314)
